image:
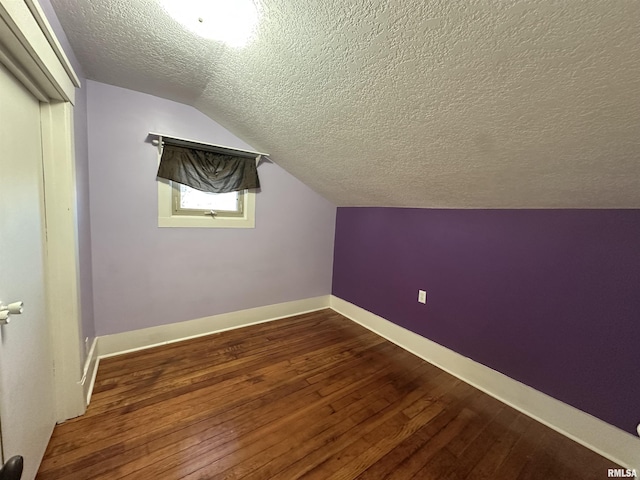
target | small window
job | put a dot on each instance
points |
(185, 164)
(193, 207)
(189, 201)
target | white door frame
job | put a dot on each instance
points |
(30, 50)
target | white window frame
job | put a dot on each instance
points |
(166, 218)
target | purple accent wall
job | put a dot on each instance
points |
(145, 275)
(548, 297)
(82, 182)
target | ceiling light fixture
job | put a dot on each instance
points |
(232, 22)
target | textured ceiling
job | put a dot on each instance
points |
(440, 103)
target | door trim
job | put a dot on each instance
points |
(62, 260)
(23, 39)
(28, 46)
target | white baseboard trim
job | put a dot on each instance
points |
(609, 441)
(119, 343)
(90, 370)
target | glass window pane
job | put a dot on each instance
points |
(193, 199)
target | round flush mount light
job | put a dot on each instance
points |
(232, 22)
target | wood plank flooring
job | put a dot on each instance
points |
(314, 396)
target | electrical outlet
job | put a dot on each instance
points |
(422, 296)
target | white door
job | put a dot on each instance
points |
(27, 410)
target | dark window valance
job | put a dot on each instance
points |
(209, 171)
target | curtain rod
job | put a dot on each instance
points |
(195, 142)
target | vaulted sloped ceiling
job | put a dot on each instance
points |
(440, 103)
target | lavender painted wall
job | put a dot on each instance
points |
(548, 297)
(145, 275)
(82, 182)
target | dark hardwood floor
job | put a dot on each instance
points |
(314, 396)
